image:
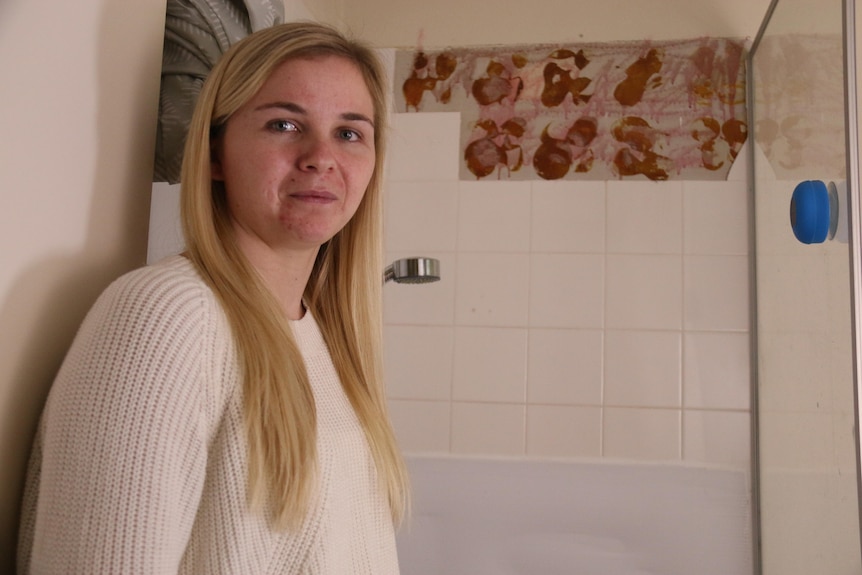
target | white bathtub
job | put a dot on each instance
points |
(539, 517)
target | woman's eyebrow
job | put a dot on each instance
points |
(289, 106)
(297, 109)
(357, 117)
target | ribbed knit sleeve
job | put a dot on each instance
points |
(120, 459)
(140, 462)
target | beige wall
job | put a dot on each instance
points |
(79, 101)
(399, 24)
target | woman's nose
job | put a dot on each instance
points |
(317, 155)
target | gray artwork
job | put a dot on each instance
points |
(197, 33)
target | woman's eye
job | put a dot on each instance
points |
(349, 135)
(283, 126)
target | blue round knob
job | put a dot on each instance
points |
(809, 212)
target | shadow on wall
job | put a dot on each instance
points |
(48, 301)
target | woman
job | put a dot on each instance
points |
(222, 411)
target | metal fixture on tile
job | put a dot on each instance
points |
(413, 271)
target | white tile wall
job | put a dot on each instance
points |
(715, 217)
(643, 369)
(490, 365)
(716, 369)
(644, 291)
(639, 433)
(494, 217)
(566, 290)
(492, 289)
(564, 431)
(488, 428)
(644, 218)
(573, 319)
(422, 216)
(565, 367)
(568, 217)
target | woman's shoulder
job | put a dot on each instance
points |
(156, 320)
(165, 301)
(174, 273)
(170, 284)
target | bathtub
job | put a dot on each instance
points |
(539, 517)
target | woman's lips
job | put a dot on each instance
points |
(316, 196)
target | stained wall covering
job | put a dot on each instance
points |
(655, 110)
(799, 103)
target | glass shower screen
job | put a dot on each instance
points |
(805, 443)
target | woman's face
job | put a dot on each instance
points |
(296, 159)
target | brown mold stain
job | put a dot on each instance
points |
(631, 90)
(498, 148)
(555, 157)
(552, 159)
(560, 82)
(496, 85)
(706, 131)
(638, 156)
(420, 80)
(580, 136)
(735, 132)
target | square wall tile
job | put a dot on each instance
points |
(644, 217)
(716, 293)
(717, 438)
(488, 429)
(564, 431)
(494, 217)
(421, 216)
(564, 367)
(490, 365)
(717, 370)
(816, 286)
(642, 434)
(567, 290)
(816, 534)
(644, 292)
(794, 283)
(716, 218)
(800, 373)
(424, 147)
(643, 368)
(422, 304)
(796, 440)
(418, 362)
(568, 217)
(773, 231)
(421, 426)
(492, 289)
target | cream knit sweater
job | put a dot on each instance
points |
(139, 465)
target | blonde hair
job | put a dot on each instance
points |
(343, 293)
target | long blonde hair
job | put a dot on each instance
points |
(343, 293)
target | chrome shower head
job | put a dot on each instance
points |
(413, 271)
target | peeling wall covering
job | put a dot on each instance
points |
(656, 110)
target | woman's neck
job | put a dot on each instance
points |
(285, 273)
